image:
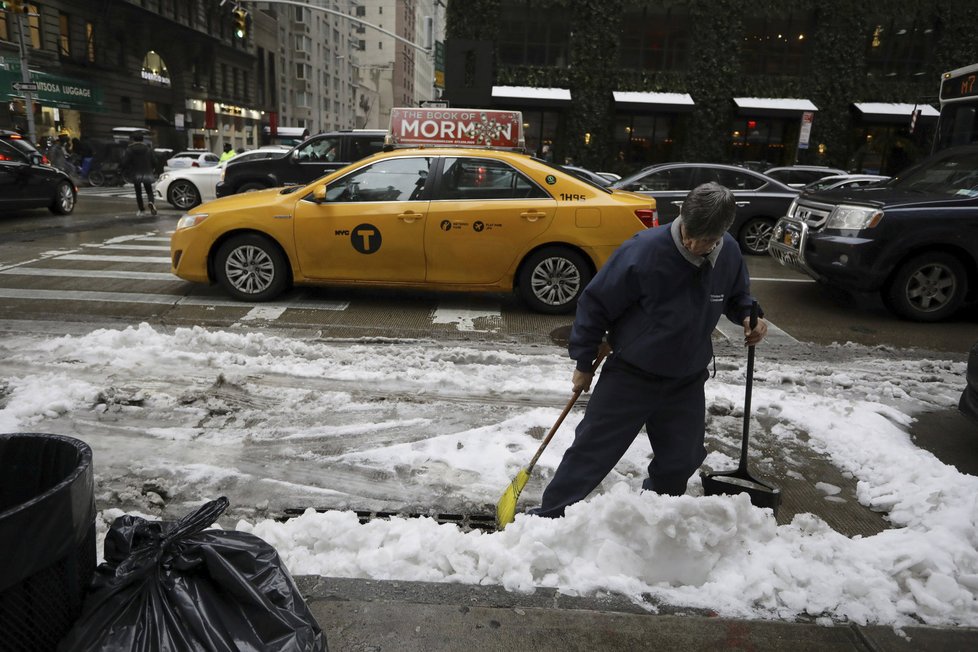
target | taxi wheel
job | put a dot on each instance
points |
(252, 268)
(552, 279)
(183, 195)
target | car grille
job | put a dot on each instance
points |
(812, 213)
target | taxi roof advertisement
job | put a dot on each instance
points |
(457, 127)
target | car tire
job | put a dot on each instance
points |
(96, 179)
(929, 287)
(251, 267)
(183, 195)
(552, 279)
(252, 187)
(755, 235)
(64, 199)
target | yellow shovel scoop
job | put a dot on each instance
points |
(506, 507)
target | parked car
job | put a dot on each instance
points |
(798, 176)
(460, 219)
(185, 188)
(913, 240)
(761, 200)
(838, 181)
(193, 158)
(307, 161)
(969, 397)
(610, 176)
(26, 181)
(587, 175)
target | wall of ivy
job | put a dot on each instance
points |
(714, 75)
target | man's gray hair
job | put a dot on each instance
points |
(708, 211)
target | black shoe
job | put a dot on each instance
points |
(152, 208)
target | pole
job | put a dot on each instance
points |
(25, 76)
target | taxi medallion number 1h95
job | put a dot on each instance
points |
(454, 204)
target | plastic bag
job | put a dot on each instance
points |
(171, 586)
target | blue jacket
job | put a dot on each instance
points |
(658, 308)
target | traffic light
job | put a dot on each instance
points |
(242, 20)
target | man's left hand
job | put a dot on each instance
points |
(752, 337)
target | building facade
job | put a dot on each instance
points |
(175, 67)
(759, 83)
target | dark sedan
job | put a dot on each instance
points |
(27, 182)
(761, 200)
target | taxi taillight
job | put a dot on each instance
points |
(648, 216)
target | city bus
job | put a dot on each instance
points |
(958, 124)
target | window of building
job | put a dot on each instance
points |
(4, 30)
(531, 36)
(64, 35)
(303, 100)
(361, 11)
(303, 71)
(125, 104)
(900, 47)
(764, 142)
(90, 42)
(655, 39)
(34, 21)
(299, 14)
(303, 43)
(777, 44)
(225, 82)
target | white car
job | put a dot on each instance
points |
(194, 158)
(188, 187)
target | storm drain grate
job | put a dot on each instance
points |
(465, 522)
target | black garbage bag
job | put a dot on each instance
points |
(171, 586)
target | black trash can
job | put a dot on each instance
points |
(47, 537)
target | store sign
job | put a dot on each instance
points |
(806, 129)
(53, 90)
(456, 127)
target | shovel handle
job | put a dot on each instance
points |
(750, 384)
(602, 352)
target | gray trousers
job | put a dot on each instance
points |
(624, 399)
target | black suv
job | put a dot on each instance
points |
(307, 161)
(27, 182)
(914, 239)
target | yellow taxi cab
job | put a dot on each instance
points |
(469, 213)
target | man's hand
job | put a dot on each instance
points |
(582, 379)
(752, 337)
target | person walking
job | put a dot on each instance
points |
(228, 152)
(137, 166)
(657, 300)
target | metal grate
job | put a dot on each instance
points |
(465, 522)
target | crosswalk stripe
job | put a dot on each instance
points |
(159, 299)
(117, 259)
(91, 273)
(132, 247)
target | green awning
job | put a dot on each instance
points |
(53, 90)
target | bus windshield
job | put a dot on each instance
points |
(958, 123)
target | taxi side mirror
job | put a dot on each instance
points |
(319, 194)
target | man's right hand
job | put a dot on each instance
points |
(582, 381)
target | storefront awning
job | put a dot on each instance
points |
(53, 90)
(893, 112)
(780, 107)
(530, 95)
(654, 101)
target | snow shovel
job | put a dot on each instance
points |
(506, 507)
(740, 480)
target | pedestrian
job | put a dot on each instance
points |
(658, 300)
(228, 152)
(137, 166)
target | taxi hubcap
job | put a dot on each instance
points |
(555, 281)
(931, 287)
(250, 269)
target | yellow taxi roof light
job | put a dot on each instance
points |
(479, 128)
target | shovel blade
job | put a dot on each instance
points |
(506, 507)
(731, 483)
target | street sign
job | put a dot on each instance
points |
(25, 86)
(806, 129)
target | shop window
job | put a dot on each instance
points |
(777, 45)
(154, 70)
(64, 35)
(533, 35)
(645, 138)
(760, 143)
(900, 47)
(655, 39)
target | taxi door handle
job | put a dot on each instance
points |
(533, 216)
(677, 203)
(409, 217)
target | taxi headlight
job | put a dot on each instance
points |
(188, 221)
(853, 218)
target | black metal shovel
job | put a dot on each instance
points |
(740, 480)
